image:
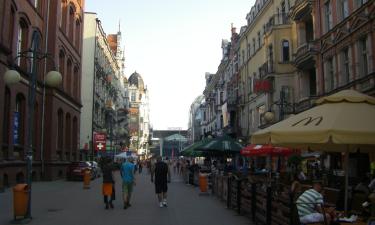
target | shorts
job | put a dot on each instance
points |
(127, 187)
(161, 187)
(312, 218)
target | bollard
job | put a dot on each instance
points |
(20, 200)
(86, 179)
(203, 184)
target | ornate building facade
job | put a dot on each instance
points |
(104, 89)
(139, 121)
(57, 29)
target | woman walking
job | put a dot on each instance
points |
(108, 183)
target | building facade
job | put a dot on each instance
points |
(56, 28)
(194, 131)
(139, 118)
(104, 89)
(267, 74)
(335, 47)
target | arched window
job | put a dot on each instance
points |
(60, 133)
(68, 135)
(35, 129)
(6, 117)
(76, 82)
(64, 13)
(72, 11)
(285, 51)
(19, 120)
(75, 138)
(62, 66)
(22, 36)
(68, 80)
(12, 20)
(35, 44)
(78, 35)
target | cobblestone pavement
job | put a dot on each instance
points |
(67, 203)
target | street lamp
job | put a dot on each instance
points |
(52, 79)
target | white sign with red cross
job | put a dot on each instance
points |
(99, 141)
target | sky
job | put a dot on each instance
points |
(171, 44)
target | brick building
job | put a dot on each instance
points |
(335, 47)
(58, 26)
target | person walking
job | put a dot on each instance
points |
(108, 188)
(162, 175)
(128, 180)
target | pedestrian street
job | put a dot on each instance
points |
(67, 203)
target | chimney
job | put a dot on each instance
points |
(233, 29)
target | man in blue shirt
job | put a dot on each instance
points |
(128, 180)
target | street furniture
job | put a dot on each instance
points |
(86, 179)
(20, 200)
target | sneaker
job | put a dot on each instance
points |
(161, 205)
(165, 204)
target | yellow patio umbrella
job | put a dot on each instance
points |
(342, 122)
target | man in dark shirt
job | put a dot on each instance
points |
(162, 176)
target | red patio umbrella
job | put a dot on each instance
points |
(258, 150)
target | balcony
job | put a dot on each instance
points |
(266, 69)
(304, 58)
(301, 9)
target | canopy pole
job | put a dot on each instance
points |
(346, 178)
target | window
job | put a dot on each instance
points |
(6, 116)
(68, 134)
(78, 35)
(254, 49)
(363, 57)
(64, 12)
(35, 44)
(19, 119)
(248, 50)
(345, 66)
(344, 8)
(68, 80)
(22, 42)
(285, 51)
(62, 65)
(250, 83)
(327, 15)
(11, 27)
(76, 83)
(75, 138)
(259, 40)
(359, 3)
(329, 81)
(71, 23)
(133, 98)
(60, 133)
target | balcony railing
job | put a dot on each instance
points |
(305, 53)
(266, 69)
(277, 19)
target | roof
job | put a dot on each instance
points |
(136, 79)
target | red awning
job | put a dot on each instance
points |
(258, 150)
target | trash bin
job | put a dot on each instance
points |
(86, 179)
(203, 182)
(20, 200)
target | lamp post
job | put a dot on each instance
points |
(283, 105)
(52, 79)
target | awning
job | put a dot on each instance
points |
(259, 150)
